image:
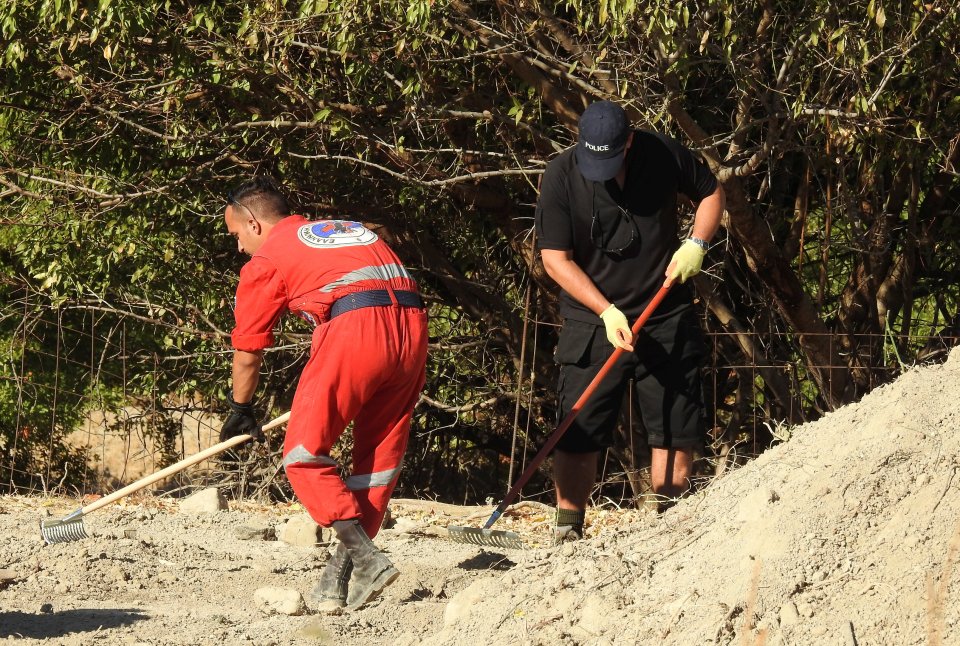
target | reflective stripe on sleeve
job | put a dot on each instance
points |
(300, 455)
(372, 272)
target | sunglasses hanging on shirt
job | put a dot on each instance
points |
(613, 229)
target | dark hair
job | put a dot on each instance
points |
(261, 193)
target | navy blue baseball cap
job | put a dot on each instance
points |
(603, 137)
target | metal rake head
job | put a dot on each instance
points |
(69, 528)
(486, 537)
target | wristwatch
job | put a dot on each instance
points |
(703, 244)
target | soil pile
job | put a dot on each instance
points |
(845, 534)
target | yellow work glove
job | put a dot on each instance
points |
(618, 330)
(686, 261)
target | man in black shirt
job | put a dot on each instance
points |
(607, 229)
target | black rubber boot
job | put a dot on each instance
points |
(372, 570)
(331, 593)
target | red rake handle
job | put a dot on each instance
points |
(572, 415)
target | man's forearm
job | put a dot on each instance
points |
(246, 375)
(568, 274)
(709, 214)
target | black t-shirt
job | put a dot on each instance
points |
(623, 240)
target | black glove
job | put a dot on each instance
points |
(242, 420)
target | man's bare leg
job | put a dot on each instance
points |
(573, 477)
(670, 471)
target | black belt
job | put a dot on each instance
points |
(374, 298)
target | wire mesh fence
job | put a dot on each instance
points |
(84, 412)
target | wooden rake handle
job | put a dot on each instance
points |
(179, 466)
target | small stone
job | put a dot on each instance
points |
(404, 525)
(407, 639)
(167, 577)
(567, 549)
(594, 615)
(789, 615)
(564, 601)
(254, 533)
(387, 521)
(206, 501)
(301, 531)
(279, 600)
(6, 576)
(315, 630)
(461, 605)
(46, 608)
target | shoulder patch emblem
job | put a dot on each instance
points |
(335, 233)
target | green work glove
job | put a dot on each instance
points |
(686, 261)
(618, 330)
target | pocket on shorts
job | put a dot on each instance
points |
(574, 343)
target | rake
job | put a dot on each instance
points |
(70, 527)
(511, 540)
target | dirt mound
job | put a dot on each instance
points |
(845, 534)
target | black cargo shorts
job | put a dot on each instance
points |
(665, 366)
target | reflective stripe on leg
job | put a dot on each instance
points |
(369, 480)
(300, 455)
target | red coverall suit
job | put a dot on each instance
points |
(367, 358)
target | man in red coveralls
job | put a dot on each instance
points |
(367, 365)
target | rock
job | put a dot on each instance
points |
(205, 501)
(167, 577)
(388, 520)
(254, 533)
(564, 601)
(403, 525)
(462, 603)
(789, 615)
(594, 614)
(279, 600)
(46, 608)
(301, 531)
(315, 630)
(7, 576)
